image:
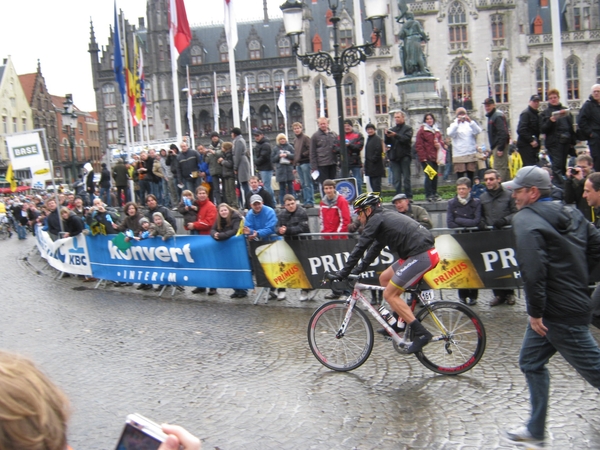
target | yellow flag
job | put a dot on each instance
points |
(430, 171)
(10, 177)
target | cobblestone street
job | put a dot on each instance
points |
(241, 376)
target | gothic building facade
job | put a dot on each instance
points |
(509, 39)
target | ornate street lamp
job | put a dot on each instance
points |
(338, 64)
(69, 120)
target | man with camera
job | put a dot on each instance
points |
(575, 182)
(399, 139)
(557, 125)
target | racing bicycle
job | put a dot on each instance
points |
(340, 334)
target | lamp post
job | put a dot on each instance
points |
(69, 120)
(340, 63)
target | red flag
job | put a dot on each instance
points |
(182, 35)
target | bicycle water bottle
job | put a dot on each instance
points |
(387, 316)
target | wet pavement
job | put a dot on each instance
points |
(242, 376)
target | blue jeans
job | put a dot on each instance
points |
(357, 175)
(306, 181)
(105, 195)
(265, 176)
(191, 184)
(21, 230)
(285, 187)
(145, 189)
(576, 344)
(401, 169)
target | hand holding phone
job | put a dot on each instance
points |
(140, 434)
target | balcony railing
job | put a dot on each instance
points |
(424, 7)
(496, 3)
(567, 36)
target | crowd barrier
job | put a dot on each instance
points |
(485, 259)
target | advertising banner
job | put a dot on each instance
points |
(182, 260)
(68, 255)
(471, 260)
(25, 151)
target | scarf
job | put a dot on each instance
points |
(464, 201)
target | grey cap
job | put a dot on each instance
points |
(256, 198)
(399, 197)
(527, 177)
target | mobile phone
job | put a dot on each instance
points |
(140, 434)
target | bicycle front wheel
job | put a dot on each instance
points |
(458, 338)
(341, 353)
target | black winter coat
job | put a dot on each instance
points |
(497, 130)
(529, 127)
(400, 143)
(262, 155)
(374, 157)
(560, 132)
(295, 222)
(462, 216)
(588, 119)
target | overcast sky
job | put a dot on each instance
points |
(57, 32)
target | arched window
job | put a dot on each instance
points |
(222, 84)
(224, 52)
(572, 78)
(542, 79)
(497, 30)
(457, 26)
(108, 95)
(345, 34)
(161, 50)
(251, 82)
(460, 85)
(350, 100)
(253, 118)
(320, 93)
(196, 55)
(293, 80)
(285, 48)
(255, 49)
(205, 86)
(500, 76)
(279, 75)
(205, 121)
(264, 81)
(81, 150)
(266, 121)
(222, 120)
(380, 95)
(295, 113)
(4, 124)
(112, 131)
(598, 70)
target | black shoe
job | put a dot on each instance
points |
(144, 287)
(234, 295)
(212, 291)
(198, 290)
(272, 295)
(180, 288)
(421, 337)
(118, 284)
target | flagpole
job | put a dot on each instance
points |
(216, 111)
(175, 81)
(322, 101)
(190, 107)
(246, 118)
(232, 39)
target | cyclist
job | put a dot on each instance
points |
(410, 240)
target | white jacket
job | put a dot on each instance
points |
(463, 137)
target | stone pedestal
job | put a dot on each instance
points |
(418, 96)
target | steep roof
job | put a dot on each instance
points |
(28, 83)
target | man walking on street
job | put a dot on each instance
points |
(554, 245)
(497, 130)
(528, 130)
(399, 139)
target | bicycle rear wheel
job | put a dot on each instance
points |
(342, 353)
(457, 349)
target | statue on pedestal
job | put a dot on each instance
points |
(413, 37)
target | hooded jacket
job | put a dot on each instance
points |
(165, 230)
(556, 249)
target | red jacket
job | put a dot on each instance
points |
(424, 144)
(334, 215)
(207, 214)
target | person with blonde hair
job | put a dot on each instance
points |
(282, 157)
(34, 412)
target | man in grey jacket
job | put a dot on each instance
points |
(323, 152)
(555, 247)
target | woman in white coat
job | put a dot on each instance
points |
(463, 131)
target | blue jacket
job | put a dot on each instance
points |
(264, 223)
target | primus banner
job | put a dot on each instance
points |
(470, 260)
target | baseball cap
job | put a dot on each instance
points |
(399, 197)
(535, 98)
(527, 177)
(256, 198)
(214, 134)
(489, 101)
(257, 132)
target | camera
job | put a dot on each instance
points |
(140, 433)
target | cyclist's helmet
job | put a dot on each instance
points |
(367, 199)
